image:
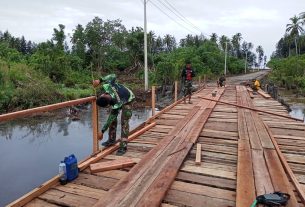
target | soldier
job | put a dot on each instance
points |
(187, 76)
(119, 97)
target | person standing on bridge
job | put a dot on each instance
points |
(221, 82)
(187, 76)
(119, 97)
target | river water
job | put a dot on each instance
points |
(31, 149)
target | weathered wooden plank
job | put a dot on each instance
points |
(111, 165)
(95, 181)
(39, 203)
(245, 189)
(208, 171)
(198, 155)
(66, 199)
(81, 190)
(207, 180)
(278, 176)
(189, 199)
(262, 179)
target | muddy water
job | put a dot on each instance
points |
(31, 149)
(296, 103)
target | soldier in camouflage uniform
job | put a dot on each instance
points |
(119, 97)
(187, 76)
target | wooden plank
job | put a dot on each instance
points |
(245, 189)
(198, 154)
(111, 165)
(66, 199)
(81, 190)
(253, 135)
(180, 198)
(38, 203)
(264, 94)
(93, 181)
(208, 171)
(278, 176)
(207, 180)
(262, 179)
(288, 170)
(204, 190)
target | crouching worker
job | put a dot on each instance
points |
(221, 82)
(119, 97)
(255, 85)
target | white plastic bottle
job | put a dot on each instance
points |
(62, 173)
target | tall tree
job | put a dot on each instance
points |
(59, 36)
(260, 53)
(236, 44)
(214, 37)
(78, 41)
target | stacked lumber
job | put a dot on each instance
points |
(259, 170)
(150, 179)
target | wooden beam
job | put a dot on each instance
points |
(23, 113)
(111, 165)
(198, 155)
(95, 128)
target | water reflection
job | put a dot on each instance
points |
(298, 111)
(31, 148)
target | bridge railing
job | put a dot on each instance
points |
(52, 107)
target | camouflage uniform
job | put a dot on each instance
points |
(188, 83)
(123, 98)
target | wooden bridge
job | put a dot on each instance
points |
(219, 151)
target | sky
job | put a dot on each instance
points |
(261, 22)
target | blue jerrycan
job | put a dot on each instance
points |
(71, 167)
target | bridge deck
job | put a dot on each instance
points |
(238, 158)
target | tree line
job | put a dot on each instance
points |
(106, 46)
(288, 60)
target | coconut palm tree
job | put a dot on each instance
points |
(236, 44)
(294, 29)
(260, 53)
(214, 37)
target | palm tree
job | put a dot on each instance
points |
(260, 52)
(222, 42)
(295, 28)
(302, 16)
(236, 44)
(214, 37)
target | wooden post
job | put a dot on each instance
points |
(95, 127)
(204, 80)
(176, 91)
(199, 82)
(153, 100)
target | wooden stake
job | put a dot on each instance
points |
(176, 91)
(204, 80)
(95, 127)
(199, 81)
(198, 154)
(153, 100)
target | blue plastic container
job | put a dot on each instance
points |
(71, 167)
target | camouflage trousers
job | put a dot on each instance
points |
(187, 90)
(125, 117)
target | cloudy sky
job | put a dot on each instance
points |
(261, 22)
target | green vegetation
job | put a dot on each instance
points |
(288, 61)
(37, 74)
